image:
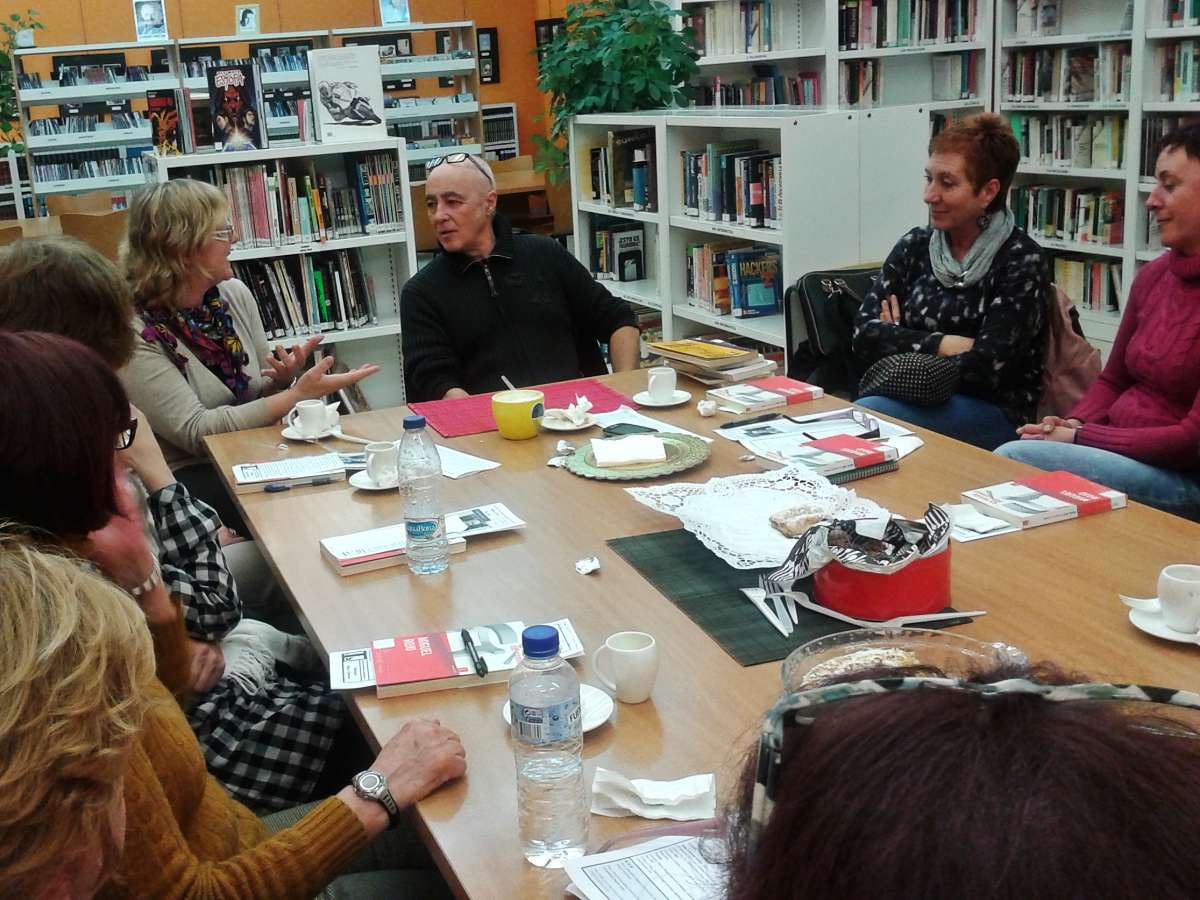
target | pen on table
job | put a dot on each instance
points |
(481, 668)
(280, 486)
(766, 417)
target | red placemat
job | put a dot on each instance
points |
(473, 415)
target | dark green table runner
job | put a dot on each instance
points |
(708, 590)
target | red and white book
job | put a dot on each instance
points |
(1044, 499)
(765, 393)
(839, 457)
(436, 660)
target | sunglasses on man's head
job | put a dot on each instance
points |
(457, 158)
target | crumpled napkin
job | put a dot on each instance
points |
(629, 450)
(964, 515)
(575, 414)
(694, 797)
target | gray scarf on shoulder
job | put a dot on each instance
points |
(951, 272)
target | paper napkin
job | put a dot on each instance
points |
(964, 515)
(575, 414)
(694, 797)
(629, 450)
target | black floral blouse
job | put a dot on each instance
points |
(1005, 313)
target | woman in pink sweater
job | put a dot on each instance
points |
(1137, 429)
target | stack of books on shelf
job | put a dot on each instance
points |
(1092, 284)
(310, 293)
(1038, 18)
(619, 251)
(89, 163)
(860, 83)
(728, 28)
(1086, 215)
(1081, 74)
(289, 103)
(1067, 140)
(712, 360)
(1176, 64)
(877, 24)
(954, 76)
(623, 171)
(1180, 13)
(733, 181)
(731, 278)
(766, 88)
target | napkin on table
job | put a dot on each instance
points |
(629, 450)
(694, 797)
(575, 414)
(964, 515)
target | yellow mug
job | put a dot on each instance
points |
(518, 413)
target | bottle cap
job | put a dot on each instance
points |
(412, 423)
(639, 156)
(540, 641)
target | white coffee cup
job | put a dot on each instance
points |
(310, 418)
(1179, 596)
(661, 385)
(383, 463)
(633, 656)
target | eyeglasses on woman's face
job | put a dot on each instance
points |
(125, 438)
(225, 232)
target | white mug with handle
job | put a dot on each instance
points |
(383, 462)
(661, 384)
(312, 418)
(633, 657)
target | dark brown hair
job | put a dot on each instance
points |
(63, 286)
(1186, 139)
(987, 145)
(943, 795)
(61, 411)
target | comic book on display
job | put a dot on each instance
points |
(235, 100)
(163, 113)
(347, 89)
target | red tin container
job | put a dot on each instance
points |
(922, 586)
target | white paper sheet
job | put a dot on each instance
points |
(817, 425)
(456, 464)
(685, 799)
(969, 524)
(666, 868)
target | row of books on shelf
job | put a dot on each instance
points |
(1037, 18)
(85, 124)
(293, 202)
(745, 26)
(1092, 284)
(860, 83)
(878, 24)
(295, 102)
(619, 251)
(89, 163)
(1180, 13)
(1087, 215)
(732, 278)
(954, 76)
(1078, 74)
(768, 89)
(70, 76)
(1176, 65)
(311, 293)
(733, 181)
(1154, 129)
(1071, 140)
(623, 173)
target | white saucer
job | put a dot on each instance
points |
(644, 399)
(552, 425)
(1153, 624)
(292, 434)
(597, 707)
(367, 483)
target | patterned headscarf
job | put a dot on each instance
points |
(208, 332)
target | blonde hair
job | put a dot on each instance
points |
(75, 658)
(168, 224)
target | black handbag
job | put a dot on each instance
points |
(821, 308)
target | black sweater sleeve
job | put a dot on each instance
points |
(430, 365)
(873, 338)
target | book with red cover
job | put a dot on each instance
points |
(1044, 499)
(839, 457)
(765, 393)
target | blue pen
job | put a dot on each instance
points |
(278, 486)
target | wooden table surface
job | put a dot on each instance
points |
(1051, 591)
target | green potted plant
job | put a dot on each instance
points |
(12, 27)
(611, 56)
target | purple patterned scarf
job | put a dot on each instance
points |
(208, 332)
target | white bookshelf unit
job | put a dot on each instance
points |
(13, 189)
(387, 257)
(841, 206)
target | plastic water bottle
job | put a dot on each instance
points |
(420, 478)
(547, 734)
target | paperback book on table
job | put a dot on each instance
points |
(839, 457)
(1044, 499)
(436, 660)
(765, 393)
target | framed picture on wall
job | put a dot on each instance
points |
(245, 17)
(149, 20)
(544, 31)
(393, 12)
(488, 40)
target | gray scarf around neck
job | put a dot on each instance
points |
(952, 273)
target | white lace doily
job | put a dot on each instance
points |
(731, 515)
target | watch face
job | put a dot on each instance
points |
(369, 781)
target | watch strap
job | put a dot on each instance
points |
(379, 792)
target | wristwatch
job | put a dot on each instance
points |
(371, 785)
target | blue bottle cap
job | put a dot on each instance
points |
(540, 641)
(412, 423)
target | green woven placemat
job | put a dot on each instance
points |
(708, 590)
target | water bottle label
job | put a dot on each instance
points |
(547, 724)
(423, 529)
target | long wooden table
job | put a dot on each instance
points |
(1051, 591)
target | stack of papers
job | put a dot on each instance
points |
(665, 867)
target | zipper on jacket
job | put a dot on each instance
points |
(487, 273)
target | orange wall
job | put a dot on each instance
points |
(106, 21)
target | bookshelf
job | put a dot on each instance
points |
(13, 190)
(384, 255)
(831, 160)
(501, 139)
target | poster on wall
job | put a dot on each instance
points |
(393, 12)
(544, 31)
(150, 20)
(245, 16)
(488, 40)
